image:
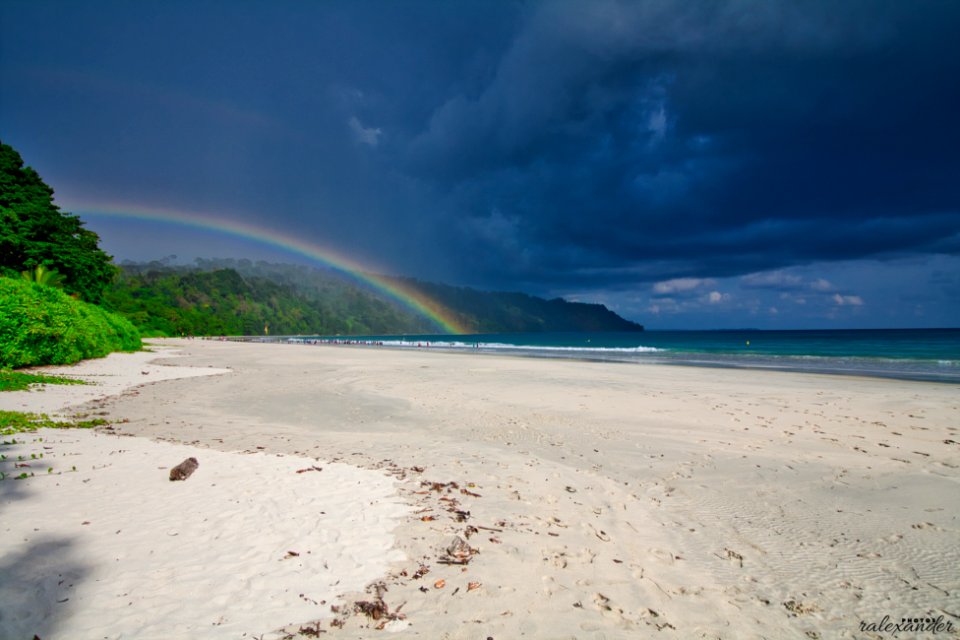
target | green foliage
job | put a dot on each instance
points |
(35, 233)
(12, 422)
(503, 312)
(17, 381)
(42, 275)
(42, 325)
(479, 311)
(238, 297)
(169, 301)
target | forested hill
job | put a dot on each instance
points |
(240, 297)
(502, 312)
(221, 301)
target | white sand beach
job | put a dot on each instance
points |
(99, 543)
(595, 500)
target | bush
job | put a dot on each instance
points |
(153, 333)
(42, 325)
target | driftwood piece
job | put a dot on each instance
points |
(183, 470)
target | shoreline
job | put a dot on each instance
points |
(607, 501)
(785, 363)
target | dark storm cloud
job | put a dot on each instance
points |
(545, 146)
(706, 138)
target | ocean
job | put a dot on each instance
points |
(908, 354)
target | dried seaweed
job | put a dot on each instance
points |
(458, 552)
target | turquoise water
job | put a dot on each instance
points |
(915, 354)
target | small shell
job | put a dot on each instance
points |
(440, 584)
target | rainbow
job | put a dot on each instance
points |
(405, 295)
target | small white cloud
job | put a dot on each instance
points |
(821, 285)
(681, 284)
(715, 297)
(657, 123)
(664, 305)
(365, 135)
(771, 279)
(853, 301)
(653, 110)
(773, 311)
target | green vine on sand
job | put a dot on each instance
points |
(12, 422)
(17, 381)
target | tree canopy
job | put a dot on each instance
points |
(171, 301)
(34, 232)
(231, 297)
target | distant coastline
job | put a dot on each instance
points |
(931, 355)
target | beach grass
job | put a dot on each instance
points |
(16, 422)
(13, 422)
(17, 381)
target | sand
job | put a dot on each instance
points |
(116, 374)
(99, 543)
(602, 500)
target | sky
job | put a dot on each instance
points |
(692, 165)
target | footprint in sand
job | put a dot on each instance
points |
(602, 602)
(663, 556)
(556, 557)
(549, 585)
(599, 533)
